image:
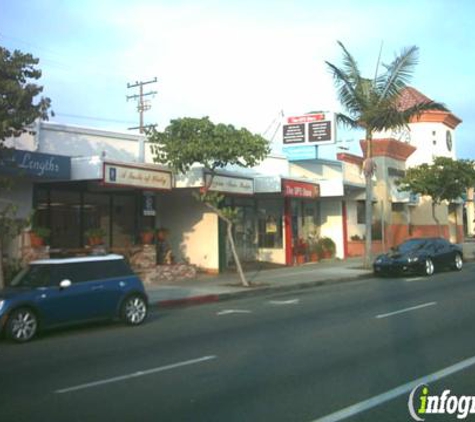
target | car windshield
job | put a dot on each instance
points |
(412, 245)
(32, 276)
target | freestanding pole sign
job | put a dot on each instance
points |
(312, 129)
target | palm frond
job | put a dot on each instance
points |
(349, 64)
(350, 92)
(346, 121)
(398, 73)
(418, 109)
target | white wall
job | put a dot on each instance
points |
(276, 256)
(318, 170)
(422, 137)
(84, 142)
(273, 165)
(193, 228)
(353, 227)
(332, 224)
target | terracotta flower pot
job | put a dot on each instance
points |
(94, 241)
(300, 259)
(36, 241)
(314, 257)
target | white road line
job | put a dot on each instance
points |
(233, 311)
(135, 374)
(285, 302)
(401, 311)
(396, 392)
(409, 280)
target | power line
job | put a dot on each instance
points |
(83, 64)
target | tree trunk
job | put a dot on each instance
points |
(229, 230)
(368, 258)
(368, 169)
(244, 282)
(434, 216)
(2, 280)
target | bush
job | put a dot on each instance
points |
(41, 232)
(10, 269)
(95, 232)
(328, 245)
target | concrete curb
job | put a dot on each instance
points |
(204, 299)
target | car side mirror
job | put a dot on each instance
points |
(65, 284)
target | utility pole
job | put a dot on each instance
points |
(142, 105)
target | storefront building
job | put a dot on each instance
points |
(117, 198)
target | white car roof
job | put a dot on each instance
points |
(75, 260)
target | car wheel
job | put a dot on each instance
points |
(458, 262)
(134, 310)
(22, 325)
(428, 267)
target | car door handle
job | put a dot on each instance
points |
(97, 287)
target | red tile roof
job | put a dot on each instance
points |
(411, 97)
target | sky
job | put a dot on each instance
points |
(240, 62)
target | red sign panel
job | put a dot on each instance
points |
(308, 118)
(295, 189)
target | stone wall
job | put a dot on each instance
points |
(143, 260)
(168, 273)
(34, 253)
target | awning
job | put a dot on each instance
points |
(35, 165)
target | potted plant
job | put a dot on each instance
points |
(300, 251)
(147, 236)
(95, 236)
(162, 234)
(328, 247)
(316, 251)
(38, 236)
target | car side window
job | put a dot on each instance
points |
(77, 272)
(81, 272)
(441, 245)
(37, 276)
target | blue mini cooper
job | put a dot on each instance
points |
(56, 292)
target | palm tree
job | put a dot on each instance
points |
(374, 106)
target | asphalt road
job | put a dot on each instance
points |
(298, 356)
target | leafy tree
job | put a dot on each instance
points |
(18, 93)
(372, 104)
(19, 107)
(187, 141)
(444, 180)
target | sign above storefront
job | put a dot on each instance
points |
(301, 152)
(230, 184)
(316, 129)
(137, 177)
(295, 189)
(35, 165)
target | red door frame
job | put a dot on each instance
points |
(289, 256)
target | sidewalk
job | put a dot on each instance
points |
(206, 288)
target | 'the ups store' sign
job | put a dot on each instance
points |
(313, 129)
(295, 189)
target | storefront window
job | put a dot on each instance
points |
(65, 213)
(70, 211)
(270, 215)
(96, 214)
(244, 229)
(123, 221)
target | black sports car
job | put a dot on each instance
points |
(422, 256)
